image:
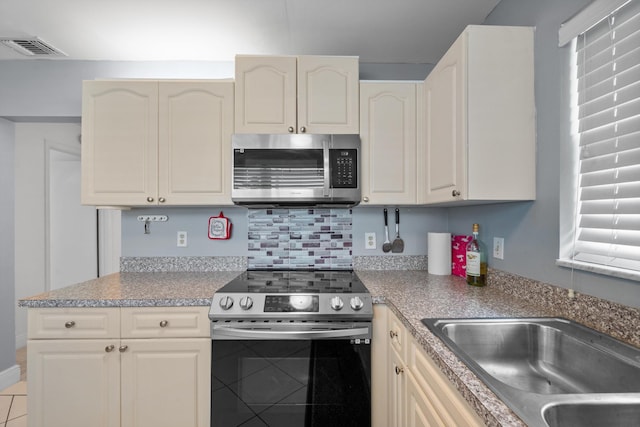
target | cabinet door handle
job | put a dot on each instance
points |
(70, 324)
(150, 199)
(303, 129)
(455, 193)
(162, 200)
(123, 348)
(109, 348)
(393, 334)
(365, 199)
(164, 323)
(291, 129)
(399, 370)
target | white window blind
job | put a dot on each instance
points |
(608, 73)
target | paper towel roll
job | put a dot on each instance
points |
(439, 253)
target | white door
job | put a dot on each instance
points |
(72, 246)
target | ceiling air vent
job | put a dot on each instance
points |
(31, 46)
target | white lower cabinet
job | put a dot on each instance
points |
(76, 381)
(418, 394)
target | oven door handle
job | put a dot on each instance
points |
(292, 335)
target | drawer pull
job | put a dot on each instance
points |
(164, 324)
(393, 334)
(399, 370)
(109, 348)
(123, 348)
(70, 324)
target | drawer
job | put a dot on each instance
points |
(168, 322)
(80, 323)
(396, 335)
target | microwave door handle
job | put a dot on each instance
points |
(327, 174)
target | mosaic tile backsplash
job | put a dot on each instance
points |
(300, 239)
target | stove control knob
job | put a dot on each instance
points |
(246, 303)
(356, 303)
(336, 303)
(226, 303)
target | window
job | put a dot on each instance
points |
(607, 80)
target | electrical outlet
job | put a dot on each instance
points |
(370, 240)
(182, 239)
(498, 247)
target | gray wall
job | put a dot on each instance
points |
(415, 223)
(531, 230)
(7, 299)
(52, 89)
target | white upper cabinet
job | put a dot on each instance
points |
(289, 94)
(119, 142)
(156, 142)
(196, 125)
(388, 132)
(480, 119)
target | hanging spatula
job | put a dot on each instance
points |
(398, 243)
(386, 246)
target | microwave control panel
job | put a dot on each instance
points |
(343, 167)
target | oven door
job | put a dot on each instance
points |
(279, 378)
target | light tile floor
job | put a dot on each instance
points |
(13, 400)
(13, 406)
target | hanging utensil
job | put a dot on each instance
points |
(386, 246)
(398, 243)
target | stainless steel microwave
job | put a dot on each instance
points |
(296, 170)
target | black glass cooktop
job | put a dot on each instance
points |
(296, 281)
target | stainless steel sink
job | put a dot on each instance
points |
(614, 413)
(546, 369)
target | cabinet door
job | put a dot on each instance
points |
(119, 142)
(196, 124)
(419, 409)
(265, 94)
(328, 94)
(74, 383)
(434, 389)
(389, 143)
(445, 128)
(379, 368)
(396, 393)
(166, 382)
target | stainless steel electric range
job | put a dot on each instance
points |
(291, 349)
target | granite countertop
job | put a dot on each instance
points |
(410, 294)
(166, 289)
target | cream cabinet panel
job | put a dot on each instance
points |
(196, 125)
(419, 409)
(157, 142)
(388, 132)
(265, 95)
(379, 368)
(73, 383)
(289, 94)
(165, 322)
(480, 119)
(73, 323)
(395, 338)
(445, 153)
(159, 377)
(418, 394)
(119, 142)
(443, 397)
(328, 99)
(166, 382)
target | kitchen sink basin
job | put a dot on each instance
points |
(546, 369)
(593, 414)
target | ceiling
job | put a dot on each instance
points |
(382, 31)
